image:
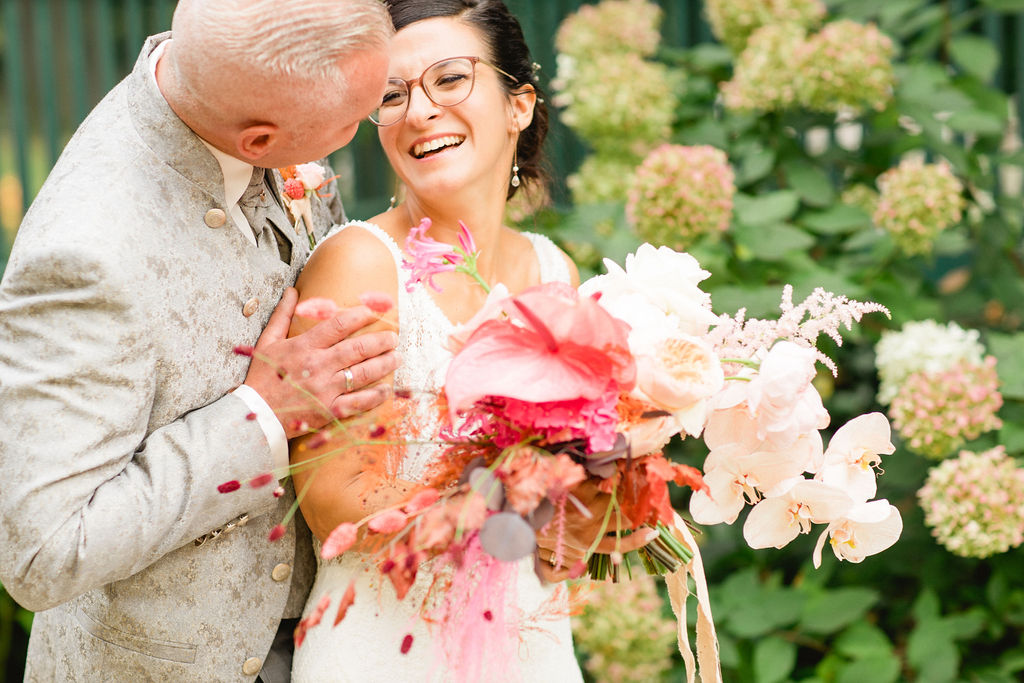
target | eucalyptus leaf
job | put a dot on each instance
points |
(507, 537)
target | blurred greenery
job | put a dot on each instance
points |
(915, 612)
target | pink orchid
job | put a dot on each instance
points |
(867, 529)
(853, 452)
(778, 519)
(554, 346)
(429, 257)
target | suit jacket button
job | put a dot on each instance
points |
(250, 307)
(252, 666)
(281, 572)
(215, 218)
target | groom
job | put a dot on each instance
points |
(155, 247)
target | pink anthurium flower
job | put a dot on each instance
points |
(853, 452)
(564, 347)
(735, 478)
(777, 520)
(866, 529)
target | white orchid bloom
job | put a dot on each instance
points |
(866, 529)
(777, 520)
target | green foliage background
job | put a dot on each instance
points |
(914, 612)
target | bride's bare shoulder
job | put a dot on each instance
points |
(350, 262)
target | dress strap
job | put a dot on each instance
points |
(552, 264)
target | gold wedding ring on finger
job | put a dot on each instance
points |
(349, 380)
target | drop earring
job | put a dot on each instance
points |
(515, 169)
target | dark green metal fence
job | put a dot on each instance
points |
(59, 57)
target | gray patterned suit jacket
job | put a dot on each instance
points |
(119, 310)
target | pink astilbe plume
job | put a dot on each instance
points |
(820, 313)
(477, 626)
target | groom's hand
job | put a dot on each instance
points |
(303, 378)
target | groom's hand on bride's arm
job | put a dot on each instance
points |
(302, 377)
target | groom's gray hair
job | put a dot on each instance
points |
(304, 39)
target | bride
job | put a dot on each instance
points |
(462, 126)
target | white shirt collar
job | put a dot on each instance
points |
(237, 173)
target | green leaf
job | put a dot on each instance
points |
(966, 624)
(707, 131)
(836, 220)
(976, 55)
(926, 606)
(829, 612)
(877, 669)
(755, 165)
(772, 242)
(862, 640)
(760, 302)
(766, 209)
(774, 659)
(1009, 352)
(931, 641)
(809, 182)
(1005, 5)
(976, 121)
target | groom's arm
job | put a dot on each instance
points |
(89, 496)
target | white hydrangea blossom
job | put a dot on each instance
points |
(922, 346)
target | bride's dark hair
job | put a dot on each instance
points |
(508, 51)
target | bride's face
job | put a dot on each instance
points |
(475, 138)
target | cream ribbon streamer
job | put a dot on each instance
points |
(707, 661)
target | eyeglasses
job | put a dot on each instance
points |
(445, 83)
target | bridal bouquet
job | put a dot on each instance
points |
(558, 401)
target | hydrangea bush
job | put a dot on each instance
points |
(873, 155)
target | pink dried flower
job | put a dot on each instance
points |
(346, 601)
(680, 194)
(244, 350)
(278, 492)
(936, 412)
(388, 522)
(378, 431)
(339, 540)
(421, 501)
(229, 486)
(317, 308)
(251, 416)
(276, 533)
(378, 302)
(406, 643)
(261, 480)
(974, 503)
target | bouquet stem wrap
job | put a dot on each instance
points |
(707, 661)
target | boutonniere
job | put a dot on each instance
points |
(302, 182)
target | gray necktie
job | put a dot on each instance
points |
(258, 203)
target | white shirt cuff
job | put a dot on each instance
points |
(270, 425)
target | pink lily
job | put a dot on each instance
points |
(429, 257)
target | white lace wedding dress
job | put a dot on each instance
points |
(367, 645)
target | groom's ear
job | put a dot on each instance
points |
(523, 99)
(255, 141)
